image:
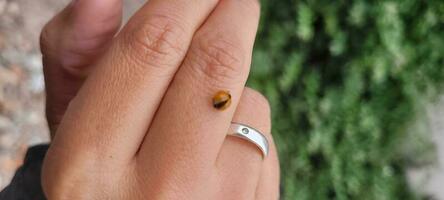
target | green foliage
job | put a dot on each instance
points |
(345, 80)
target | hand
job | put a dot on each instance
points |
(131, 115)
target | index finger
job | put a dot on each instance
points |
(111, 113)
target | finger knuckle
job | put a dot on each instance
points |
(254, 6)
(257, 100)
(59, 47)
(155, 39)
(45, 39)
(219, 59)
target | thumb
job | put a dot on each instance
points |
(70, 44)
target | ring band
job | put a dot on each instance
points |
(250, 134)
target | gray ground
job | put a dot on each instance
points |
(22, 91)
(431, 179)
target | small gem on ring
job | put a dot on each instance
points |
(245, 131)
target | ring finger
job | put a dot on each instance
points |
(240, 163)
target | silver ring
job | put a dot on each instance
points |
(250, 134)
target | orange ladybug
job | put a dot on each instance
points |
(222, 100)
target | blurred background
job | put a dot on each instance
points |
(355, 89)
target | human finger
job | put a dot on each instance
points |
(110, 115)
(70, 43)
(219, 59)
(240, 162)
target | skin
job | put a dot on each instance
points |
(131, 114)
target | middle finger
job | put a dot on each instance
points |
(219, 59)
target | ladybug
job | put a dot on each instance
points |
(222, 100)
